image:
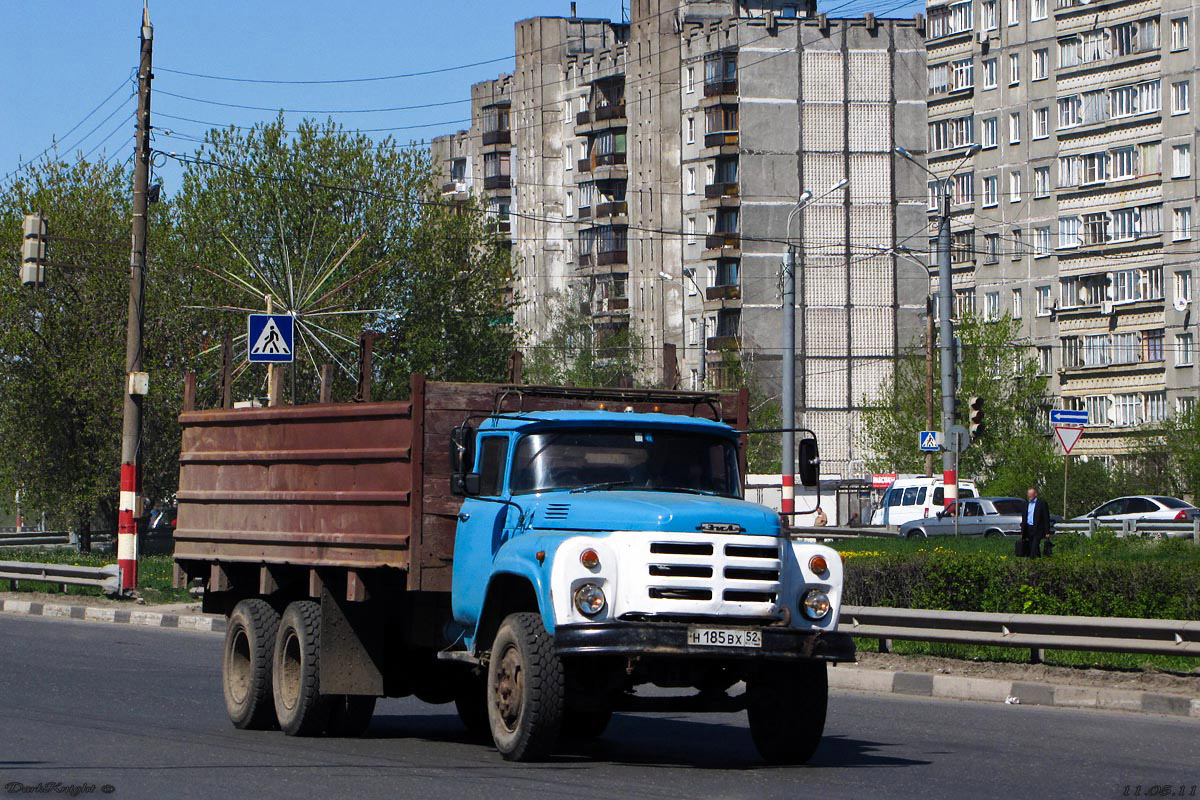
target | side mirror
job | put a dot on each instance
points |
(471, 484)
(462, 457)
(809, 465)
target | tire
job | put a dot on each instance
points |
(993, 534)
(472, 705)
(296, 677)
(916, 534)
(525, 689)
(586, 724)
(786, 710)
(246, 666)
(349, 715)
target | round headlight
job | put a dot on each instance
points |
(589, 599)
(814, 604)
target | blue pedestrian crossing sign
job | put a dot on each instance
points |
(930, 441)
(270, 339)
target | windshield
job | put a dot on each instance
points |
(659, 460)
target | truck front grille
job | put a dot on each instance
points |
(688, 576)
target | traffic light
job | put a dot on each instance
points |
(976, 416)
(33, 251)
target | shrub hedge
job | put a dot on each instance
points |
(1103, 577)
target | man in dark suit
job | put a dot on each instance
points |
(1035, 524)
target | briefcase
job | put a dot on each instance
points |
(1022, 548)
(1047, 548)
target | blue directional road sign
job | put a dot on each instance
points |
(1061, 417)
(930, 441)
(271, 338)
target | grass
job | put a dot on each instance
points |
(154, 572)
(1067, 545)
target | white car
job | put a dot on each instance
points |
(1143, 506)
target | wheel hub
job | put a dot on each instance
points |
(510, 682)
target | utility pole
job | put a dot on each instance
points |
(945, 309)
(787, 469)
(930, 339)
(135, 387)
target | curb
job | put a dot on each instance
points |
(151, 619)
(991, 690)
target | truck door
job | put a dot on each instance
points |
(483, 526)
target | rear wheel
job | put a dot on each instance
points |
(916, 534)
(525, 689)
(246, 667)
(296, 681)
(993, 534)
(786, 710)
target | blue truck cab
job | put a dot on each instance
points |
(615, 549)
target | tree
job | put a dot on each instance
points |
(763, 450)
(576, 352)
(1014, 450)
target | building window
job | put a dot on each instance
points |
(990, 190)
(693, 331)
(691, 230)
(1014, 127)
(1045, 360)
(1041, 123)
(1181, 161)
(948, 134)
(1070, 352)
(989, 132)
(691, 180)
(1179, 34)
(1155, 407)
(1124, 224)
(691, 130)
(988, 15)
(691, 80)
(1014, 187)
(964, 303)
(1014, 69)
(1041, 243)
(1181, 97)
(570, 206)
(1181, 224)
(1037, 10)
(1097, 350)
(1017, 310)
(1184, 349)
(1041, 181)
(962, 246)
(1070, 111)
(1183, 286)
(1044, 307)
(1185, 406)
(991, 245)
(1152, 345)
(962, 74)
(949, 20)
(1014, 12)
(991, 306)
(1095, 228)
(1126, 410)
(1039, 65)
(1097, 407)
(1124, 348)
(989, 73)
(720, 69)
(1018, 243)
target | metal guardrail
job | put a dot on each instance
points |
(831, 534)
(1156, 529)
(1037, 632)
(104, 578)
(33, 538)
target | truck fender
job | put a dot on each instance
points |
(510, 592)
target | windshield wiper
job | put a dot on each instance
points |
(594, 487)
(685, 489)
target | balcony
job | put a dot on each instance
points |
(454, 187)
(584, 212)
(716, 190)
(723, 293)
(583, 117)
(720, 139)
(497, 137)
(715, 88)
(584, 165)
(585, 259)
(504, 227)
(715, 241)
(719, 343)
(610, 112)
(614, 208)
(612, 257)
(610, 159)
(498, 182)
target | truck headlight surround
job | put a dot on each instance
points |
(815, 604)
(590, 600)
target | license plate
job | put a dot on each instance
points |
(724, 637)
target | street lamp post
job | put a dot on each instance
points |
(945, 310)
(688, 273)
(787, 448)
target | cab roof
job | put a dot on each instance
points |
(606, 419)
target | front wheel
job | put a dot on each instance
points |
(786, 710)
(525, 689)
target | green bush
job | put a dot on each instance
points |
(1104, 576)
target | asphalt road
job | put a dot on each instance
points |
(140, 709)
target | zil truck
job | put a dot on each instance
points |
(537, 556)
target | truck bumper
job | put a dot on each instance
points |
(671, 639)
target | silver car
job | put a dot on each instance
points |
(980, 516)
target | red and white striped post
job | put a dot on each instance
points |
(127, 526)
(788, 503)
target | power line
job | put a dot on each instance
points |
(324, 82)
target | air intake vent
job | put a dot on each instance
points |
(557, 511)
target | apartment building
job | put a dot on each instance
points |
(654, 165)
(1075, 216)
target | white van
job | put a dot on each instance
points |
(915, 498)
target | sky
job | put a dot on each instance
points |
(69, 66)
